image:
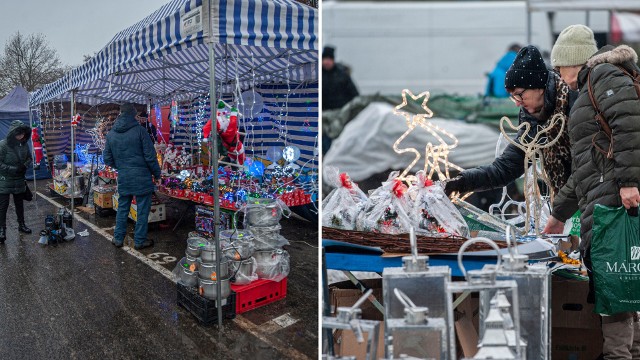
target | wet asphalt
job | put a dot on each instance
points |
(86, 299)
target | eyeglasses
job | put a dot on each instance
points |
(517, 97)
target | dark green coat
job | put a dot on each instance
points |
(596, 179)
(14, 153)
(129, 150)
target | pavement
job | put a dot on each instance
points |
(86, 299)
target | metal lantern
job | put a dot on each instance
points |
(416, 335)
(534, 289)
(416, 279)
(481, 281)
(494, 344)
(349, 318)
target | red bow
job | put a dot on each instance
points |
(428, 182)
(346, 181)
(399, 188)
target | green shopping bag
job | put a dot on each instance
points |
(615, 254)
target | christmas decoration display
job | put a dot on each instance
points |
(36, 140)
(343, 204)
(432, 209)
(387, 209)
(436, 156)
(533, 166)
(227, 128)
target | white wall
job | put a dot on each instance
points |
(435, 46)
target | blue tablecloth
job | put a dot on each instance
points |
(344, 256)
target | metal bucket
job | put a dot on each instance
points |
(208, 252)
(208, 270)
(188, 277)
(243, 268)
(263, 212)
(208, 288)
(191, 260)
(194, 245)
(268, 262)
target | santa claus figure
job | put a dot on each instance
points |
(37, 145)
(227, 127)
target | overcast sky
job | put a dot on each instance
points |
(73, 27)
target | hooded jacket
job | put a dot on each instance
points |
(15, 157)
(129, 150)
(510, 165)
(495, 84)
(596, 179)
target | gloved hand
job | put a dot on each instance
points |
(21, 169)
(455, 184)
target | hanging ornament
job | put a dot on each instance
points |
(75, 120)
(174, 113)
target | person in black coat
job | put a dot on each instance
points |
(537, 91)
(337, 86)
(15, 158)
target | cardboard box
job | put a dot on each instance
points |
(156, 213)
(103, 200)
(345, 344)
(466, 317)
(576, 331)
(345, 294)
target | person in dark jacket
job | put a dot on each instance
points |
(337, 88)
(495, 81)
(540, 94)
(598, 179)
(129, 150)
(15, 157)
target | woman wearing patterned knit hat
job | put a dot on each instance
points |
(607, 176)
(540, 94)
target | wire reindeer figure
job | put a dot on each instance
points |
(532, 148)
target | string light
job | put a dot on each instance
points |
(436, 156)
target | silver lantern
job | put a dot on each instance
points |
(481, 281)
(416, 335)
(349, 318)
(416, 279)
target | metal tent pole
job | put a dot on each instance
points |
(73, 158)
(214, 165)
(33, 155)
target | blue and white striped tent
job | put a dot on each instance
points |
(166, 56)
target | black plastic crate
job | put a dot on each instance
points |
(204, 309)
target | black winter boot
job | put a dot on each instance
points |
(3, 234)
(22, 227)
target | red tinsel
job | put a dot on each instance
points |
(345, 181)
(399, 188)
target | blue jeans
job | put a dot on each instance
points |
(144, 206)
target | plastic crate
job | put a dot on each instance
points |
(204, 309)
(258, 293)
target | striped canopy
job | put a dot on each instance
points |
(165, 56)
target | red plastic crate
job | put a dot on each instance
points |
(258, 293)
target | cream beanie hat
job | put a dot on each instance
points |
(574, 46)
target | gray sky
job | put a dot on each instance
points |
(73, 27)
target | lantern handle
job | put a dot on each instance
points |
(404, 299)
(471, 242)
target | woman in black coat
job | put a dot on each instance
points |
(15, 157)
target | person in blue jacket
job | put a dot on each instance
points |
(129, 150)
(495, 84)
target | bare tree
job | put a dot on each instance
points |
(30, 62)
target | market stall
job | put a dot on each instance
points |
(418, 237)
(258, 59)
